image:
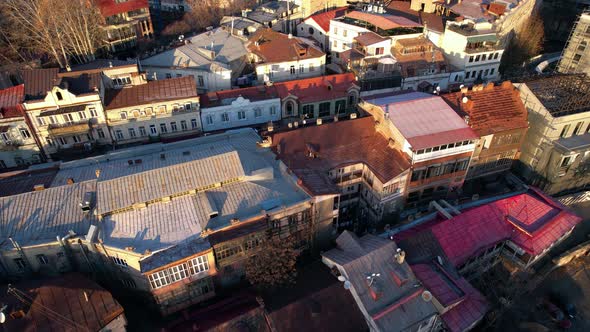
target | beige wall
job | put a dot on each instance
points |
(16, 149)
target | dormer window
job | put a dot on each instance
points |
(59, 96)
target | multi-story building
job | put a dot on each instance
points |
(281, 16)
(383, 285)
(155, 110)
(576, 54)
(214, 58)
(278, 57)
(18, 145)
(65, 110)
(254, 106)
(556, 151)
(116, 74)
(498, 116)
(368, 174)
(473, 48)
(323, 97)
(437, 140)
(125, 23)
(317, 27)
(312, 7)
(239, 26)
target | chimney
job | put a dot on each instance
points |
(400, 256)
(290, 36)
(319, 122)
(464, 89)
(70, 181)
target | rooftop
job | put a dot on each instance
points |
(382, 21)
(423, 119)
(151, 92)
(481, 10)
(316, 89)
(273, 47)
(430, 20)
(10, 101)
(562, 94)
(393, 299)
(416, 54)
(112, 7)
(532, 220)
(270, 11)
(361, 144)
(40, 81)
(369, 38)
(18, 182)
(80, 302)
(225, 97)
(217, 47)
(491, 109)
(100, 65)
(323, 19)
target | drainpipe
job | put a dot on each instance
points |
(66, 249)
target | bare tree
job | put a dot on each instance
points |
(274, 264)
(527, 43)
(64, 30)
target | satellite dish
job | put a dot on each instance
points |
(341, 278)
(2, 318)
(347, 284)
(426, 296)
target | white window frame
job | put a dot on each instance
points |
(241, 115)
(199, 264)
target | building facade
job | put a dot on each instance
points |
(18, 146)
(255, 106)
(317, 27)
(125, 23)
(161, 109)
(556, 151)
(576, 55)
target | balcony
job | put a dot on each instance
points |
(75, 127)
(10, 145)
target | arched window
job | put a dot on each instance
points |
(290, 108)
(59, 96)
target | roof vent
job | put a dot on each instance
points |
(352, 116)
(426, 296)
(319, 122)
(70, 181)
(86, 202)
(39, 187)
(130, 162)
(465, 99)
(400, 256)
(163, 156)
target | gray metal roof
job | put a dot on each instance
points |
(39, 216)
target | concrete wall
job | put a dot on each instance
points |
(16, 149)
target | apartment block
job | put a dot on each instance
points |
(162, 109)
(125, 23)
(576, 55)
(317, 27)
(556, 151)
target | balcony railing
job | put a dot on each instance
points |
(69, 128)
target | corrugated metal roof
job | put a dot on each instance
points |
(163, 182)
(39, 216)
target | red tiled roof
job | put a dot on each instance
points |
(337, 144)
(273, 47)
(11, 100)
(369, 38)
(318, 88)
(430, 20)
(497, 9)
(383, 21)
(213, 99)
(323, 19)
(152, 91)
(491, 110)
(111, 7)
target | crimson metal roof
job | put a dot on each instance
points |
(323, 19)
(10, 101)
(111, 7)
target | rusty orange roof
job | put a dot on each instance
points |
(150, 92)
(11, 100)
(492, 109)
(337, 144)
(318, 88)
(272, 47)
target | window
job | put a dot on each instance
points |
(566, 161)
(24, 133)
(241, 115)
(496, 56)
(188, 106)
(335, 31)
(173, 126)
(200, 80)
(310, 30)
(582, 46)
(100, 133)
(199, 264)
(301, 69)
(159, 279)
(168, 75)
(351, 100)
(471, 58)
(483, 57)
(119, 134)
(324, 109)
(564, 131)
(225, 117)
(142, 131)
(163, 128)
(178, 75)
(485, 73)
(292, 70)
(76, 139)
(467, 75)
(289, 109)
(42, 259)
(20, 263)
(308, 111)
(62, 140)
(578, 128)
(335, 44)
(344, 33)
(59, 96)
(379, 50)
(82, 115)
(194, 124)
(183, 125)
(93, 112)
(178, 272)
(153, 130)
(119, 261)
(41, 121)
(477, 58)
(132, 132)
(340, 106)
(257, 112)
(49, 141)
(68, 118)
(492, 71)
(123, 115)
(129, 283)
(311, 67)
(273, 110)
(577, 57)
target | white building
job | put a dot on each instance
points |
(474, 48)
(155, 110)
(239, 108)
(317, 27)
(215, 59)
(279, 57)
(17, 144)
(65, 110)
